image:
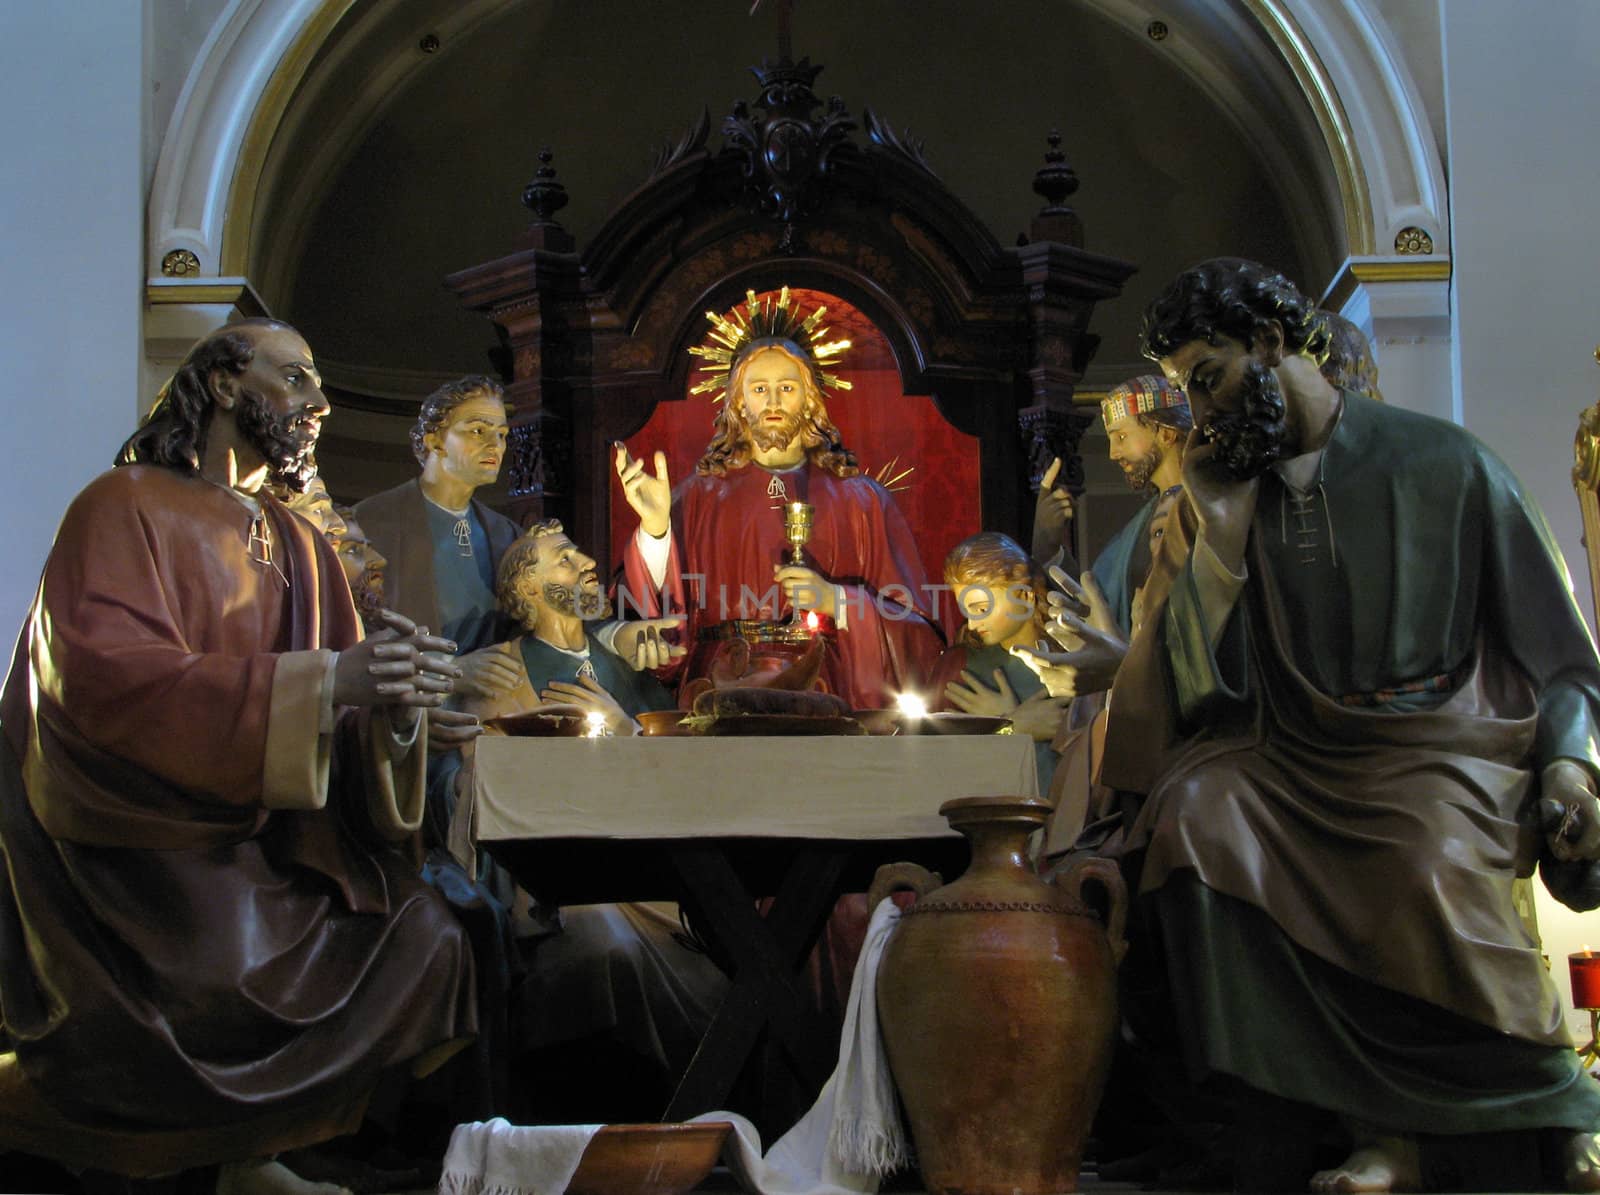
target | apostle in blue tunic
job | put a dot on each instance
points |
(617, 991)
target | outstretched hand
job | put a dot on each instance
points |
(401, 667)
(1075, 605)
(1082, 624)
(650, 497)
(1051, 512)
(641, 644)
(449, 730)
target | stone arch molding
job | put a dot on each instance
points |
(1328, 57)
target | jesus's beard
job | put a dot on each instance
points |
(1249, 442)
(770, 437)
(291, 459)
(589, 604)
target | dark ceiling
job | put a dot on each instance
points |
(432, 184)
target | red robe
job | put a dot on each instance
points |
(728, 538)
(206, 950)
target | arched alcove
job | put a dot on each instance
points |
(344, 155)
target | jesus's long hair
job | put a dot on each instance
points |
(731, 446)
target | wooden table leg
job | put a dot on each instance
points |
(765, 955)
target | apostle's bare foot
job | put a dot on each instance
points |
(263, 1176)
(1580, 1162)
(1376, 1164)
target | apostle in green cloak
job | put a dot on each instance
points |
(1374, 703)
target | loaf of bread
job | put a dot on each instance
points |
(737, 702)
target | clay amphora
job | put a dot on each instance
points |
(997, 1003)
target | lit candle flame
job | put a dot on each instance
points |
(911, 705)
(812, 621)
(597, 724)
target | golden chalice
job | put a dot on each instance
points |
(797, 528)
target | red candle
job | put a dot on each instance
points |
(1585, 966)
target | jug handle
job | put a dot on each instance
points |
(1092, 868)
(901, 877)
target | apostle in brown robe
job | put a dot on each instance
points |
(209, 948)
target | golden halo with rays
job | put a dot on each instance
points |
(766, 318)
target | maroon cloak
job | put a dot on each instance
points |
(206, 945)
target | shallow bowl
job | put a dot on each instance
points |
(894, 721)
(655, 723)
(549, 722)
(878, 721)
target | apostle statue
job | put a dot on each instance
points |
(1376, 703)
(209, 950)
(615, 1000)
(1146, 420)
(1002, 594)
(551, 590)
(364, 567)
(442, 543)
(314, 504)
(715, 548)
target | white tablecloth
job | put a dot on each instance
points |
(854, 788)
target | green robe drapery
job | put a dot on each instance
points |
(1123, 563)
(1433, 541)
(1355, 758)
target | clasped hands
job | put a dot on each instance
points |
(1082, 625)
(404, 670)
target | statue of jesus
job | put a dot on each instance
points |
(861, 583)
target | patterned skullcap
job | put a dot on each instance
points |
(1140, 396)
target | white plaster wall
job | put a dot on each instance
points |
(175, 32)
(1522, 100)
(72, 209)
(1413, 27)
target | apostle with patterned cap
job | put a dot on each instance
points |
(1147, 420)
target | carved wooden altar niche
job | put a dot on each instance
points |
(595, 339)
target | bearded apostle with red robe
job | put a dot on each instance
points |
(210, 950)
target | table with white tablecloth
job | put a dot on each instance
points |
(718, 823)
